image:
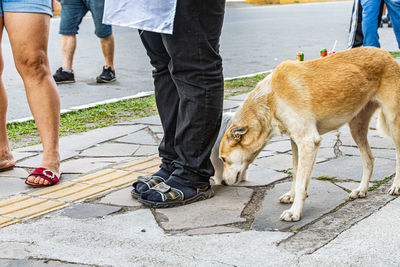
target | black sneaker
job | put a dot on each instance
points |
(106, 76)
(62, 76)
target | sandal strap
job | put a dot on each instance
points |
(150, 181)
(168, 193)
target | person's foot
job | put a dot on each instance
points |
(36, 180)
(64, 76)
(6, 160)
(107, 76)
(144, 183)
(171, 194)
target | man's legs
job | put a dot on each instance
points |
(28, 34)
(393, 8)
(68, 46)
(6, 158)
(370, 16)
(196, 69)
(107, 46)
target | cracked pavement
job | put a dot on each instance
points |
(239, 226)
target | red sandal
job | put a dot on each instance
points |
(46, 174)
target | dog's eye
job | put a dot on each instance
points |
(223, 159)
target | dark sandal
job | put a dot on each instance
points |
(172, 197)
(46, 174)
(9, 168)
(150, 181)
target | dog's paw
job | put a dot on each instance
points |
(394, 189)
(357, 193)
(290, 216)
(286, 198)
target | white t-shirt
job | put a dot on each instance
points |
(149, 15)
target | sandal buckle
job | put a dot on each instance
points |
(162, 188)
(49, 174)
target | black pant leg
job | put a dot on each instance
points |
(196, 68)
(166, 95)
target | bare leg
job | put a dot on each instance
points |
(107, 46)
(6, 158)
(28, 33)
(68, 46)
(289, 196)
(359, 131)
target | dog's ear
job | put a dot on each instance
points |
(236, 133)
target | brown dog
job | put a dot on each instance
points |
(307, 99)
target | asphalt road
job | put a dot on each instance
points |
(254, 39)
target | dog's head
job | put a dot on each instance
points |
(250, 131)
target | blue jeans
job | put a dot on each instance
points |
(26, 6)
(370, 15)
(73, 11)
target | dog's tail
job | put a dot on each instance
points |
(382, 126)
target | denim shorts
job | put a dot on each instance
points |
(26, 6)
(73, 11)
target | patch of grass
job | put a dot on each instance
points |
(379, 183)
(293, 230)
(88, 119)
(395, 54)
(288, 172)
(25, 133)
(326, 178)
(245, 82)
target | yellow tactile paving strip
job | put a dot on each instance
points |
(48, 199)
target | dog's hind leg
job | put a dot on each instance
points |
(394, 126)
(359, 130)
(308, 148)
(288, 197)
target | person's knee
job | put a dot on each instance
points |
(32, 64)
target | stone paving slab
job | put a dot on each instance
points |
(78, 142)
(374, 141)
(11, 186)
(86, 165)
(33, 162)
(229, 105)
(377, 153)
(350, 168)
(15, 172)
(142, 137)
(22, 155)
(138, 229)
(121, 198)
(350, 185)
(370, 242)
(224, 208)
(87, 210)
(279, 146)
(37, 263)
(146, 151)
(323, 196)
(260, 176)
(240, 97)
(213, 230)
(110, 150)
(278, 162)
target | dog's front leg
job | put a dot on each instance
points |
(307, 154)
(288, 197)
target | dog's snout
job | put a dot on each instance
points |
(224, 183)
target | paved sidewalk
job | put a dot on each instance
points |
(91, 220)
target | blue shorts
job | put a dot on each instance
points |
(26, 6)
(73, 11)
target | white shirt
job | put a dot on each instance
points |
(149, 15)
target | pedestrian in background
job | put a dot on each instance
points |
(370, 23)
(356, 36)
(27, 24)
(72, 13)
(181, 38)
